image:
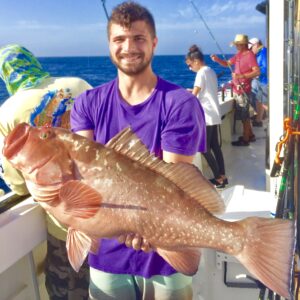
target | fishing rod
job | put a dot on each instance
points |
(210, 32)
(288, 197)
(247, 100)
(219, 47)
(105, 10)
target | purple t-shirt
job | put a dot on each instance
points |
(171, 119)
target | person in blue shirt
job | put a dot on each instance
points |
(259, 85)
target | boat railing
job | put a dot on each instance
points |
(225, 90)
(9, 200)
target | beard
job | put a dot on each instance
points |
(132, 69)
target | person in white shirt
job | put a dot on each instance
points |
(206, 89)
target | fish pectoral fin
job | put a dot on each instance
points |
(80, 200)
(185, 261)
(78, 246)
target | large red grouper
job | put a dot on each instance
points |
(107, 191)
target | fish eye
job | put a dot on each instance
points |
(45, 134)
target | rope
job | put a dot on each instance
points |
(289, 131)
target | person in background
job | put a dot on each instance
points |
(39, 99)
(206, 89)
(260, 84)
(245, 69)
(169, 121)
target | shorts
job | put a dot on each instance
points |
(242, 105)
(62, 282)
(107, 286)
(259, 91)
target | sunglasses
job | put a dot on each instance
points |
(189, 65)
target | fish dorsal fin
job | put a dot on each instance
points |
(185, 261)
(185, 176)
(78, 246)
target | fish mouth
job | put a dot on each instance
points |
(14, 142)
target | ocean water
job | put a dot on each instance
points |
(98, 70)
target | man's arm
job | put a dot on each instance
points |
(255, 72)
(175, 158)
(222, 62)
(196, 90)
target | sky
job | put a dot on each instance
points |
(78, 27)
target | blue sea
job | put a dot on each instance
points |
(98, 70)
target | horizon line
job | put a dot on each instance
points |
(73, 56)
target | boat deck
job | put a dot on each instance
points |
(245, 196)
(246, 165)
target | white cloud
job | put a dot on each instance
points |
(223, 22)
(217, 9)
(38, 26)
(238, 22)
(32, 24)
(220, 8)
(187, 12)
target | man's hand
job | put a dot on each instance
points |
(135, 241)
(237, 76)
(214, 57)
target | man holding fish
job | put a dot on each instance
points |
(167, 119)
(121, 190)
(170, 122)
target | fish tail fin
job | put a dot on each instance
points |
(268, 252)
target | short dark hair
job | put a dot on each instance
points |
(195, 53)
(128, 12)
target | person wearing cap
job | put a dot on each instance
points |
(38, 98)
(259, 84)
(245, 69)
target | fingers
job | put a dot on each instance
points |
(128, 240)
(135, 241)
(146, 247)
(132, 241)
(122, 238)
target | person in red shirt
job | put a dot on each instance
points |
(245, 68)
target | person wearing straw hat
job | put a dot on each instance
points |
(245, 68)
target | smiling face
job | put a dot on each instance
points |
(131, 49)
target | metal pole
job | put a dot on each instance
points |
(34, 279)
